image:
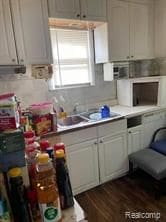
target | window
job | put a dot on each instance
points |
(72, 55)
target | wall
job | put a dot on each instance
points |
(30, 91)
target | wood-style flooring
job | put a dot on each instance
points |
(110, 201)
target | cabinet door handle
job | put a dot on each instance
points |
(84, 16)
(95, 143)
(101, 141)
(132, 56)
(78, 15)
(21, 60)
(13, 60)
(127, 57)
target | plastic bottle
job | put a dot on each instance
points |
(17, 193)
(59, 146)
(46, 148)
(47, 191)
(105, 111)
(63, 180)
(33, 204)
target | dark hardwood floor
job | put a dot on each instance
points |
(110, 201)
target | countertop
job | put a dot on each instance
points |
(74, 214)
(123, 111)
(127, 111)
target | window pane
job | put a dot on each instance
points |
(71, 53)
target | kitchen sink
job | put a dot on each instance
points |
(96, 115)
(71, 120)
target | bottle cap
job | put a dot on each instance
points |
(43, 158)
(59, 154)
(59, 146)
(14, 172)
(29, 134)
(44, 144)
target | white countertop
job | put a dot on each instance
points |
(123, 111)
(74, 214)
(127, 111)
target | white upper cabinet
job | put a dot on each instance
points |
(129, 31)
(141, 31)
(68, 9)
(30, 21)
(160, 30)
(118, 24)
(7, 44)
(91, 10)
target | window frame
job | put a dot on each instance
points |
(52, 85)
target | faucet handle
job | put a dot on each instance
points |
(75, 107)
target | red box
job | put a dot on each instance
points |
(42, 124)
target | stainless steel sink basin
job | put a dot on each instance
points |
(71, 120)
(96, 115)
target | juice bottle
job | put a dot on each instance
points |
(47, 191)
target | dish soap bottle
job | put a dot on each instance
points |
(105, 111)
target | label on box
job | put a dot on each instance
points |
(42, 124)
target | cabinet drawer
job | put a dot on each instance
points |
(154, 116)
(79, 136)
(112, 128)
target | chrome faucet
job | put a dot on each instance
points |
(75, 111)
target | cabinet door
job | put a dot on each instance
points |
(118, 22)
(141, 31)
(7, 44)
(151, 122)
(135, 139)
(32, 32)
(160, 31)
(93, 10)
(68, 9)
(82, 160)
(113, 161)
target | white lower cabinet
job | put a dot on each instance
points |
(96, 155)
(113, 160)
(82, 162)
(135, 139)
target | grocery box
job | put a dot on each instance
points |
(9, 115)
(11, 141)
(10, 160)
(42, 124)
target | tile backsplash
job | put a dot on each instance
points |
(31, 90)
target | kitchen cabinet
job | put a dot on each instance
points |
(113, 161)
(96, 154)
(8, 54)
(151, 122)
(25, 37)
(160, 31)
(128, 34)
(113, 157)
(82, 158)
(30, 20)
(90, 10)
(82, 161)
(135, 139)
